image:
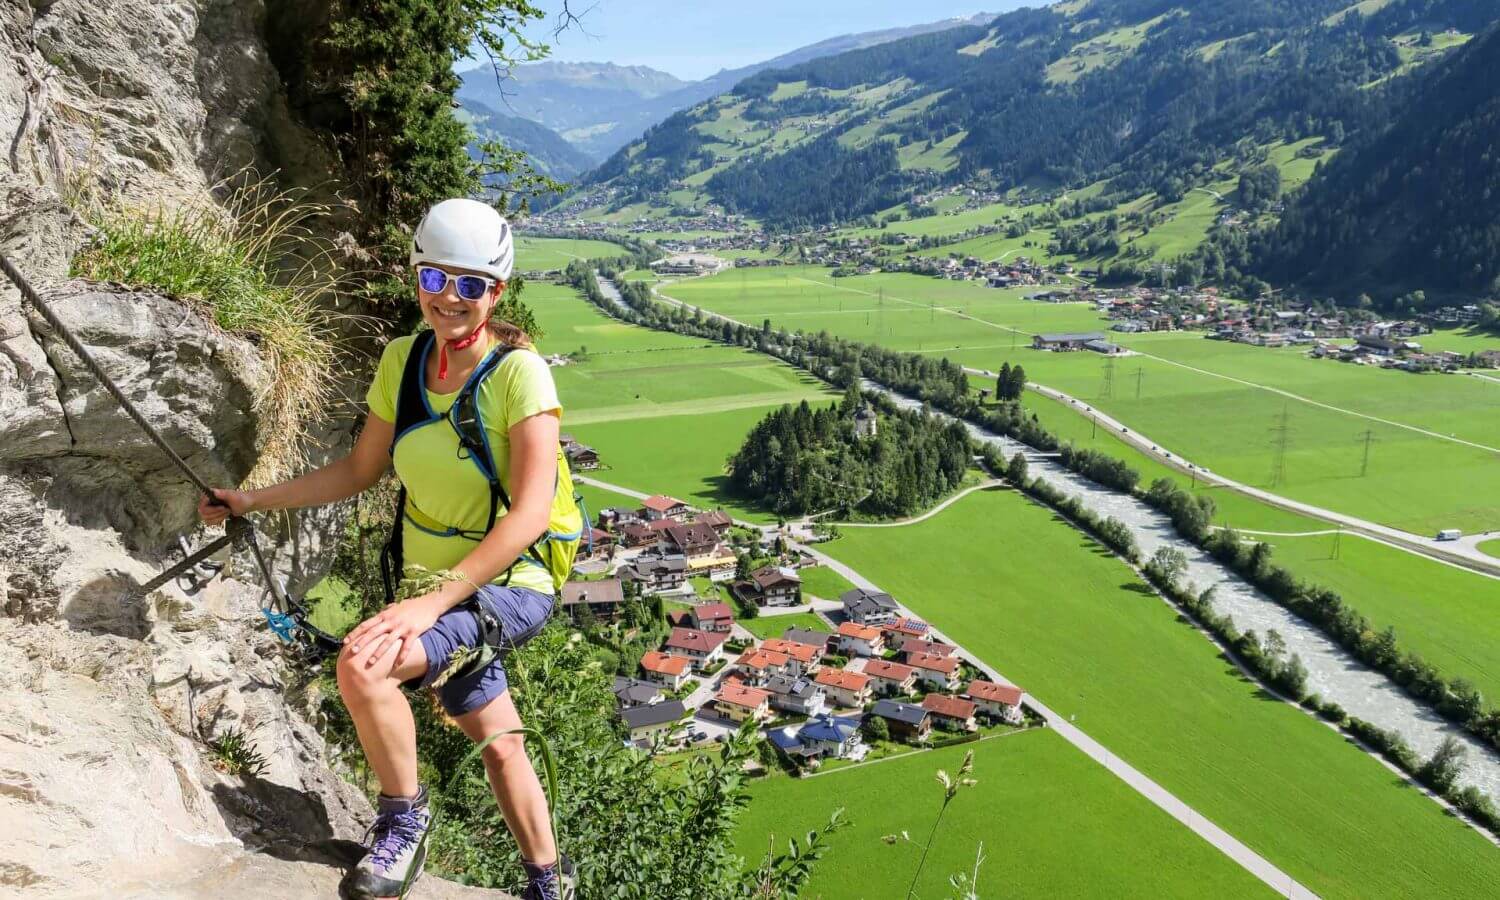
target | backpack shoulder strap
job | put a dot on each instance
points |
(411, 398)
(468, 422)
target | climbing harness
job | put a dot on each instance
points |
(285, 616)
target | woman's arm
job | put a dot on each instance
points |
(533, 479)
(338, 480)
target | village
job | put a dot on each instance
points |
(872, 682)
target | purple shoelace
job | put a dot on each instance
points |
(393, 834)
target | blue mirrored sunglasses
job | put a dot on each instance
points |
(468, 287)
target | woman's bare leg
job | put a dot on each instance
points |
(381, 714)
(512, 778)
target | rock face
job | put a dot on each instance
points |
(109, 701)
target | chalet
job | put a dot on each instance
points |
(716, 519)
(634, 692)
(1377, 346)
(802, 658)
(860, 640)
(950, 712)
(666, 670)
(1065, 341)
(701, 648)
(866, 607)
(998, 701)
(712, 617)
(602, 543)
(906, 721)
(618, 517)
(637, 534)
(656, 574)
(772, 586)
(835, 736)
(903, 630)
(759, 665)
(936, 648)
(660, 506)
(818, 639)
(889, 679)
(644, 723)
(718, 564)
(581, 457)
(692, 541)
(795, 695)
(738, 702)
(599, 600)
(937, 672)
(844, 688)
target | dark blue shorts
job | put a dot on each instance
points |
(522, 613)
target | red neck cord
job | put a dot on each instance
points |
(456, 345)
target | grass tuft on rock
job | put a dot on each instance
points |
(254, 267)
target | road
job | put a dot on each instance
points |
(992, 483)
(1226, 843)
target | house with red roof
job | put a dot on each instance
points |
(951, 713)
(999, 701)
(660, 506)
(860, 640)
(738, 702)
(889, 679)
(712, 617)
(758, 665)
(904, 629)
(803, 657)
(844, 688)
(701, 648)
(937, 672)
(665, 669)
(936, 648)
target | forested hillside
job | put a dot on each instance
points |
(1145, 95)
(1416, 205)
(548, 151)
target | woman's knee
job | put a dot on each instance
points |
(505, 750)
(358, 682)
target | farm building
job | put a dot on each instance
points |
(1064, 341)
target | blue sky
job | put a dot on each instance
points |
(695, 38)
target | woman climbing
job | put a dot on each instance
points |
(463, 253)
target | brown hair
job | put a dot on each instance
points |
(508, 334)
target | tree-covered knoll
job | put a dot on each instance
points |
(800, 460)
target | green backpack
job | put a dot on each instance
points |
(556, 548)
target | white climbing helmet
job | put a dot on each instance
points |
(467, 234)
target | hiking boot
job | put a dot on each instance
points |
(555, 882)
(395, 856)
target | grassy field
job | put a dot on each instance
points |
(1052, 824)
(1433, 456)
(1090, 641)
(1491, 548)
(664, 411)
(1446, 614)
(821, 581)
(775, 626)
(538, 253)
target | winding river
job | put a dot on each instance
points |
(1331, 671)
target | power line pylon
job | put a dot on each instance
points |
(1280, 437)
(1107, 388)
(1368, 437)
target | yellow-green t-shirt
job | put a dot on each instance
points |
(443, 487)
